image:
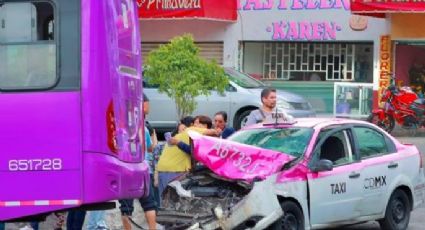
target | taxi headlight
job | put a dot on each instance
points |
(283, 104)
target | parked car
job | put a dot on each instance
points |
(241, 97)
(307, 174)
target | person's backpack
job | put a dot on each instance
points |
(149, 127)
(262, 115)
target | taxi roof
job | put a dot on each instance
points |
(309, 123)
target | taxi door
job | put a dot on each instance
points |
(335, 195)
(382, 166)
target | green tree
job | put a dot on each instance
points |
(182, 75)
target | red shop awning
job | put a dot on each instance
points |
(379, 8)
(217, 10)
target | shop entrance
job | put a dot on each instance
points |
(409, 65)
(312, 69)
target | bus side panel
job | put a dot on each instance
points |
(103, 81)
(107, 178)
(40, 141)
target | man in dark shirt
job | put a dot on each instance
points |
(220, 124)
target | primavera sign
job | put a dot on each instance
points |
(170, 4)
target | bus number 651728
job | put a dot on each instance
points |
(36, 165)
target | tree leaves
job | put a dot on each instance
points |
(182, 75)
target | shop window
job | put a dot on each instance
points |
(299, 61)
(124, 20)
(27, 46)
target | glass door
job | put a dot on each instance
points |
(352, 99)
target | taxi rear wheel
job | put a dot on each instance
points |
(397, 214)
(292, 219)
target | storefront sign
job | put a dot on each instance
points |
(306, 30)
(379, 7)
(384, 65)
(223, 10)
(171, 4)
(293, 4)
(318, 31)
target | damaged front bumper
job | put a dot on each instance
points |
(204, 201)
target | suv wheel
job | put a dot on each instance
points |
(397, 214)
(241, 119)
(292, 219)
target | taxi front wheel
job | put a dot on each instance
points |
(397, 214)
(292, 219)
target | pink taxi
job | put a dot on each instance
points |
(307, 174)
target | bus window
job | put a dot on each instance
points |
(125, 23)
(28, 53)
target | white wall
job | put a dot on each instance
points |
(258, 20)
(202, 30)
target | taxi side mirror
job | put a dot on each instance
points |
(322, 166)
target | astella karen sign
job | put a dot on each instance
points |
(305, 30)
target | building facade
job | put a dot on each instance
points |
(311, 47)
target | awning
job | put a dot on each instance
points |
(217, 10)
(379, 8)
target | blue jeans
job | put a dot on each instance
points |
(2, 226)
(155, 191)
(34, 225)
(96, 220)
(164, 179)
(75, 220)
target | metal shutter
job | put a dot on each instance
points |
(208, 50)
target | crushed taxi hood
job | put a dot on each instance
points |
(234, 160)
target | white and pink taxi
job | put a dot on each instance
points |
(307, 174)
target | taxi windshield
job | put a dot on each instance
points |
(292, 141)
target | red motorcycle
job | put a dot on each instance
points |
(401, 105)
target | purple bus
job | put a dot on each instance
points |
(70, 102)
